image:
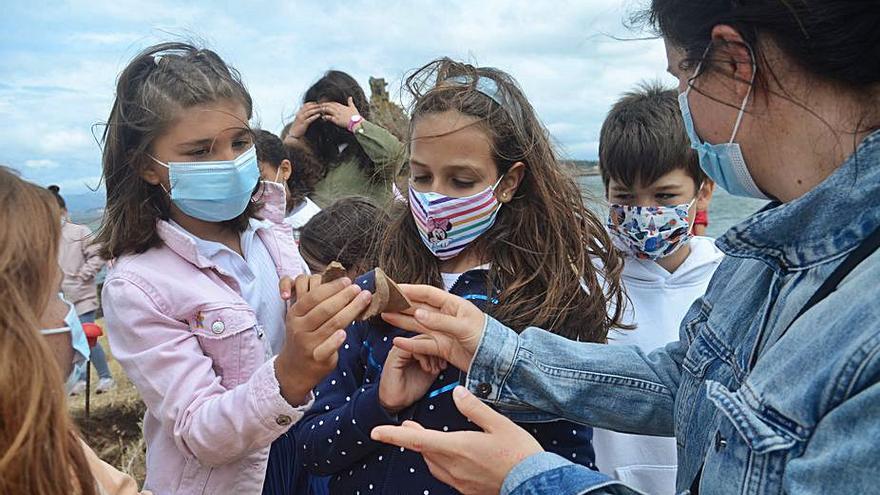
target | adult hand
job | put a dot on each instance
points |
(315, 330)
(472, 462)
(308, 113)
(454, 326)
(406, 378)
(339, 114)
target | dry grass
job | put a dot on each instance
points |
(113, 428)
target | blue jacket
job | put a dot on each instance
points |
(805, 419)
(335, 433)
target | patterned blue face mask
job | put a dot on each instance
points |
(213, 191)
(723, 163)
(79, 343)
(650, 232)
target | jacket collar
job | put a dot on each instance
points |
(824, 224)
(272, 197)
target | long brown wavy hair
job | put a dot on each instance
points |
(545, 245)
(40, 453)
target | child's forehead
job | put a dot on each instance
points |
(209, 121)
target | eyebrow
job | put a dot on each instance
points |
(210, 141)
(463, 167)
(668, 187)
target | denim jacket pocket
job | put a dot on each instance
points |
(230, 336)
(754, 442)
(763, 429)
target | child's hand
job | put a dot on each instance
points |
(308, 113)
(315, 326)
(406, 378)
(339, 114)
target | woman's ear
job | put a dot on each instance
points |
(286, 170)
(733, 57)
(510, 183)
(704, 195)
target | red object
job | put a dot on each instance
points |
(702, 218)
(93, 331)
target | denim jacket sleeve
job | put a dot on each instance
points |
(579, 381)
(544, 473)
(335, 432)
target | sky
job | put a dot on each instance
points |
(59, 61)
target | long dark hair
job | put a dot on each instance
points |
(158, 83)
(347, 231)
(834, 40)
(325, 137)
(545, 242)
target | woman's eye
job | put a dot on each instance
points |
(198, 152)
(621, 197)
(665, 196)
(241, 144)
(462, 184)
(421, 179)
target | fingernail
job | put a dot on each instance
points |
(420, 314)
(365, 295)
(285, 294)
(355, 289)
(459, 392)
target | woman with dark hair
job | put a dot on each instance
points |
(356, 156)
(774, 385)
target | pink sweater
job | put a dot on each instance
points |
(189, 342)
(79, 260)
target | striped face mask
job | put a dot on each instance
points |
(447, 225)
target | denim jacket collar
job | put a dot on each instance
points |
(825, 223)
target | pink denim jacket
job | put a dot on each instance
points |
(189, 342)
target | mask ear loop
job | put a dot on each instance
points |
(691, 204)
(742, 108)
(160, 162)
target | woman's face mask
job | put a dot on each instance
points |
(78, 343)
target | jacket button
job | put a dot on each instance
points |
(720, 442)
(218, 326)
(283, 420)
(483, 390)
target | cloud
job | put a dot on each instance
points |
(62, 140)
(41, 164)
(58, 85)
(104, 38)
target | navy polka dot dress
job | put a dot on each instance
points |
(335, 434)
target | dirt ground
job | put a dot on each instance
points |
(113, 428)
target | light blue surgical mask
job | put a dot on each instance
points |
(213, 191)
(79, 343)
(723, 163)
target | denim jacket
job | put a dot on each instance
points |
(335, 432)
(804, 419)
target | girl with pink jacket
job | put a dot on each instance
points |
(200, 255)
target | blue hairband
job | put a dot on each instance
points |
(484, 85)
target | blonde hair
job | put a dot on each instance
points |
(41, 452)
